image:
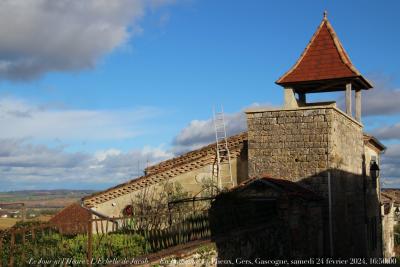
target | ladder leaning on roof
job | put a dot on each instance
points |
(223, 154)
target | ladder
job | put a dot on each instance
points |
(223, 154)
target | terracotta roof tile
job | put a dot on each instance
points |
(72, 219)
(323, 59)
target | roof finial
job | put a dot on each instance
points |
(325, 15)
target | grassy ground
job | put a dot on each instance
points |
(9, 222)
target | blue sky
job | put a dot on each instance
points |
(136, 82)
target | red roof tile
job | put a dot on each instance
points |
(72, 219)
(323, 59)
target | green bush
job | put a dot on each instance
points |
(56, 246)
(26, 224)
(111, 245)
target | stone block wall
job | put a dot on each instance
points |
(303, 145)
(346, 143)
(282, 236)
(290, 144)
(388, 223)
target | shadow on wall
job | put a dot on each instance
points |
(277, 219)
(242, 163)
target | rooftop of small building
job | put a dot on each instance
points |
(391, 194)
(284, 186)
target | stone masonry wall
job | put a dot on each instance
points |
(290, 144)
(346, 143)
(303, 145)
(346, 149)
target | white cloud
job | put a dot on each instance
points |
(103, 154)
(158, 152)
(20, 119)
(390, 165)
(389, 132)
(383, 99)
(201, 132)
(23, 165)
(38, 36)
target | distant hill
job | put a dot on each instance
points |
(44, 198)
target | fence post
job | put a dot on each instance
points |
(90, 242)
(33, 233)
(12, 242)
(1, 251)
(23, 243)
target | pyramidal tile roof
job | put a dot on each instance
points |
(324, 58)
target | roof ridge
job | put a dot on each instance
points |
(195, 153)
(342, 52)
(288, 187)
(303, 53)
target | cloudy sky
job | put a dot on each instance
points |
(93, 91)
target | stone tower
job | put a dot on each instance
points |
(320, 146)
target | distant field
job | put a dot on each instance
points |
(39, 202)
(9, 222)
(44, 198)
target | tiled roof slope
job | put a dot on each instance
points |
(386, 197)
(374, 142)
(72, 219)
(393, 193)
(323, 59)
(167, 169)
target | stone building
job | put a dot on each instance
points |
(189, 170)
(316, 146)
(389, 203)
(72, 219)
(267, 218)
(319, 146)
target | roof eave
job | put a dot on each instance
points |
(375, 142)
(359, 83)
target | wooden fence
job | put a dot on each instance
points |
(84, 243)
(25, 245)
